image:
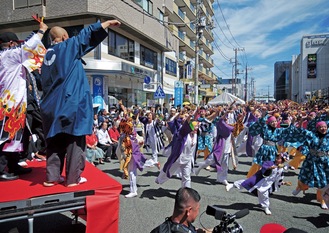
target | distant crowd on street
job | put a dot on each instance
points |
(46, 114)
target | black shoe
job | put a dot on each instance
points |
(114, 157)
(107, 160)
(8, 176)
(21, 170)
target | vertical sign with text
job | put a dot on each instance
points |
(178, 93)
(98, 90)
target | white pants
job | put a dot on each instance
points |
(263, 197)
(221, 175)
(132, 169)
(185, 170)
(154, 157)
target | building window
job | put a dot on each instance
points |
(171, 67)
(161, 16)
(148, 58)
(27, 3)
(311, 65)
(147, 5)
(121, 46)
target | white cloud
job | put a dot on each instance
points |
(269, 31)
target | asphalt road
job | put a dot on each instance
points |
(154, 203)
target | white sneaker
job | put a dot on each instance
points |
(196, 171)
(229, 187)
(324, 206)
(224, 182)
(157, 180)
(267, 211)
(81, 181)
(131, 195)
(296, 191)
(23, 164)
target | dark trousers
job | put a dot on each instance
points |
(69, 146)
(114, 149)
(107, 149)
(8, 160)
(34, 121)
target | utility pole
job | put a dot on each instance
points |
(236, 68)
(199, 26)
(245, 85)
(268, 94)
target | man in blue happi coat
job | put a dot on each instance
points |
(67, 104)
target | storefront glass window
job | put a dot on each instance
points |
(121, 46)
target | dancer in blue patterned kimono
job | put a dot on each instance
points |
(205, 139)
(267, 128)
(265, 181)
(315, 168)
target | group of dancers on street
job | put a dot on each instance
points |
(278, 136)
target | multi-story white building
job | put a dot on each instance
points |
(187, 15)
(144, 45)
(310, 69)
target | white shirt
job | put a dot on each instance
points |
(188, 152)
(150, 132)
(103, 137)
(228, 145)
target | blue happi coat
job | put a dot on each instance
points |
(267, 152)
(67, 104)
(315, 169)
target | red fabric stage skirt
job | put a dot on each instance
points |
(102, 207)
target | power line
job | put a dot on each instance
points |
(227, 24)
(221, 71)
(223, 33)
(221, 52)
(244, 58)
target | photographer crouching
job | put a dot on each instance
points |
(186, 210)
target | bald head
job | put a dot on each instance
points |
(58, 34)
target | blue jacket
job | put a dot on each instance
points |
(66, 106)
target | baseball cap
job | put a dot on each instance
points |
(9, 36)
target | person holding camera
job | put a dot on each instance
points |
(186, 210)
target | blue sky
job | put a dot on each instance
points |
(268, 30)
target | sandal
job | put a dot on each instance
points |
(50, 184)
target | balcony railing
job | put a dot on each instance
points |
(192, 7)
(192, 26)
(181, 14)
(181, 35)
(192, 44)
(181, 56)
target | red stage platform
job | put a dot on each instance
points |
(28, 198)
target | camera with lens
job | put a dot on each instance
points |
(227, 221)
